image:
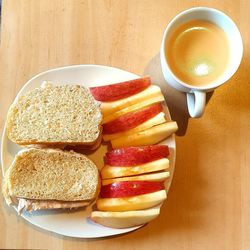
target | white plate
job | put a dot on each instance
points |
(68, 223)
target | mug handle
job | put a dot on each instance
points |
(196, 102)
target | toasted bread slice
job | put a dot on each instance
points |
(55, 115)
(51, 175)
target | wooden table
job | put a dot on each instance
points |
(209, 202)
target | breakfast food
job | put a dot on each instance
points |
(130, 188)
(108, 171)
(156, 120)
(150, 95)
(129, 203)
(120, 90)
(158, 176)
(125, 219)
(136, 155)
(134, 172)
(131, 120)
(132, 180)
(50, 178)
(146, 137)
(132, 161)
(55, 115)
(131, 116)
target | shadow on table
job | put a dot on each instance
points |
(176, 100)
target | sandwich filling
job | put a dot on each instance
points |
(32, 205)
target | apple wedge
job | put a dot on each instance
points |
(120, 90)
(123, 189)
(111, 107)
(108, 171)
(132, 119)
(131, 156)
(134, 107)
(161, 176)
(137, 202)
(146, 137)
(125, 219)
(156, 120)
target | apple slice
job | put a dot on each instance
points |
(132, 156)
(108, 171)
(131, 203)
(161, 176)
(132, 119)
(146, 137)
(120, 90)
(156, 120)
(111, 107)
(125, 219)
(130, 188)
(137, 106)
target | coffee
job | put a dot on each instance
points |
(198, 52)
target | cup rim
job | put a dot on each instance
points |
(218, 82)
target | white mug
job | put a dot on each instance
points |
(196, 96)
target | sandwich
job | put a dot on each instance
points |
(50, 179)
(55, 115)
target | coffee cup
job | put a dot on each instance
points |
(196, 94)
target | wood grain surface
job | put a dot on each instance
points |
(209, 202)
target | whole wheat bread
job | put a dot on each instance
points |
(51, 175)
(55, 115)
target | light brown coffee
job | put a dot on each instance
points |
(198, 52)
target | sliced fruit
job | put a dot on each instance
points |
(134, 107)
(146, 137)
(111, 107)
(125, 219)
(131, 203)
(120, 90)
(130, 188)
(158, 119)
(132, 156)
(108, 171)
(161, 176)
(132, 119)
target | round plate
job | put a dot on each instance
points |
(76, 223)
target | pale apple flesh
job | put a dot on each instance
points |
(132, 119)
(156, 120)
(161, 176)
(147, 137)
(111, 107)
(137, 202)
(125, 219)
(134, 107)
(108, 171)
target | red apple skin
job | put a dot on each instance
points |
(130, 188)
(117, 91)
(132, 156)
(131, 120)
